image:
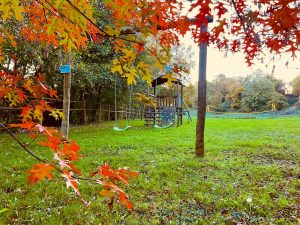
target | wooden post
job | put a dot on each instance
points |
(109, 113)
(201, 96)
(99, 115)
(85, 119)
(177, 104)
(66, 102)
(181, 103)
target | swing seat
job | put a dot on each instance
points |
(162, 127)
(120, 129)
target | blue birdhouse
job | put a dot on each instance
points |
(65, 69)
(168, 68)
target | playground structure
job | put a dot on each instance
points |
(168, 107)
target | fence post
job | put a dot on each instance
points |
(133, 114)
(85, 116)
(109, 113)
(142, 112)
(99, 115)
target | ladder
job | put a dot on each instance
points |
(187, 111)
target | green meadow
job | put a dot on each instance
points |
(250, 175)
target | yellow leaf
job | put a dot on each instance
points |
(106, 193)
(147, 101)
(129, 55)
(112, 31)
(13, 98)
(131, 74)
(170, 79)
(10, 37)
(11, 8)
(57, 114)
(117, 67)
(38, 114)
(159, 65)
(146, 75)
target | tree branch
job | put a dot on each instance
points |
(25, 148)
(240, 17)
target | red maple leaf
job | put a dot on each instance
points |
(70, 151)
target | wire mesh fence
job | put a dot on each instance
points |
(80, 112)
(252, 115)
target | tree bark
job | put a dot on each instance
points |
(201, 101)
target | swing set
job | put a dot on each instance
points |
(166, 114)
(115, 127)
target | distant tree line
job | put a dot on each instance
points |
(255, 93)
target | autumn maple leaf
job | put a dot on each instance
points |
(71, 181)
(70, 151)
(39, 172)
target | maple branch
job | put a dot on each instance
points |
(40, 159)
(115, 53)
(22, 145)
(240, 17)
(59, 14)
(110, 37)
(33, 140)
(100, 29)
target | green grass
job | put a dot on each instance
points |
(258, 159)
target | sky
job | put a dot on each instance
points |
(234, 65)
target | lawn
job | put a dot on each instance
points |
(256, 159)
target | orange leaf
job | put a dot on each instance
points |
(39, 172)
(106, 193)
(70, 151)
(125, 201)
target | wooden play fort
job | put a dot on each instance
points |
(168, 103)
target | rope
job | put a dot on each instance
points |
(130, 102)
(115, 124)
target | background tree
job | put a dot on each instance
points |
(224, 94)
(182, 61)
(296, 86)
(216, 93)
(259, 93)
(190, 95)
(235, 90)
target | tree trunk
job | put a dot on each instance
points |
(201, 101)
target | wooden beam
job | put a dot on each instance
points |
(201, 98)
